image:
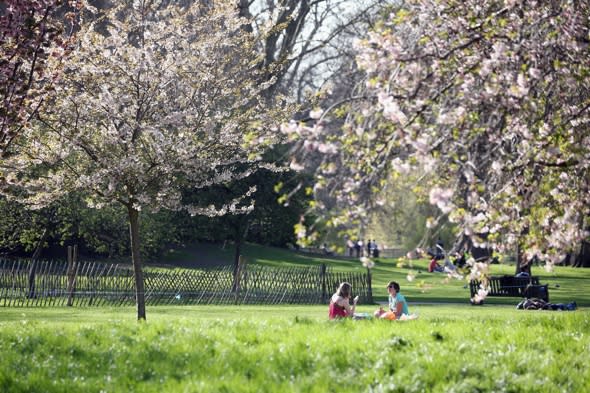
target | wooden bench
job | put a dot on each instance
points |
(511, 286)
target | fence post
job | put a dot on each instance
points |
(323, 282)
(238, 276)
(31, 276)
(72, 262)
(369, 288)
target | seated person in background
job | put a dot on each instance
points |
(326, 250)
(460, 259)
(434, 266)
(398, 305)
(449, 267)
(340, 302)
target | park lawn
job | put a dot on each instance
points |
(566, 284)
(450, 348)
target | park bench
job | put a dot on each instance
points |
(511, 286)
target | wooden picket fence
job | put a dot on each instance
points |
(60, 283)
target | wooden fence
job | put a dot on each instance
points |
(59, 283)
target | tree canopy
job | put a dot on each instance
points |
(34, 35)
(153, 100)
(492, 97)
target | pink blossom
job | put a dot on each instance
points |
(367, 262)
(316, 113)
(535, 73)
(391, 109)
(294, 165)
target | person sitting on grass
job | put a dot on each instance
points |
(398, 306)
(435, 267)
(340, 302)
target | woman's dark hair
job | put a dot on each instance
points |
(394, 285)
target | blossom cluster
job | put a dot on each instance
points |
(34, 36)
(154, 102)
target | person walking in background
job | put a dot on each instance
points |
(350, 246)
(340, 302)
(375, 249)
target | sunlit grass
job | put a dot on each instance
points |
(292, 349)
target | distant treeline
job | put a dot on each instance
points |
(104, 232)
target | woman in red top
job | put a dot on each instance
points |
(434, 267)
(340, 302)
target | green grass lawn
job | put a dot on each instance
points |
(566, 284)
(450, 348)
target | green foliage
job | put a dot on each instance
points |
(68, 221)
(401, 219)
(270, 222)
(11, 226)
(293, 349)
(105, 232)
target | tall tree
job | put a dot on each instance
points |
(154, 99)
(33, 32)
(310, 45)
(307, 40)
(493, 98)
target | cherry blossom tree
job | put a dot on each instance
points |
(309, 47)
(32, 33)
(154, 99)
(490, 99)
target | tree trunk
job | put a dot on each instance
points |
(72, 272)
(237, 252)
(240, 235)
(582, 259)
(137, 265)
(465, 244)
(521, 264)
(34, 258)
